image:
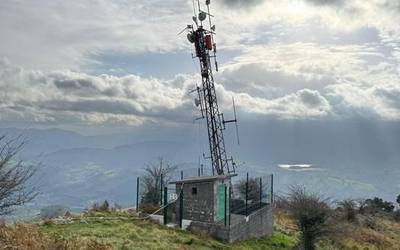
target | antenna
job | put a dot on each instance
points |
(233, 120)
(236, 123)
(198, 102)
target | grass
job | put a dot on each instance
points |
(104, 231)
(123, 231)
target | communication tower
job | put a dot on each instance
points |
(205, 50)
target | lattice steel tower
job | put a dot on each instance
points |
(205, 49)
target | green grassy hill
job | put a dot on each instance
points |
(125, 231)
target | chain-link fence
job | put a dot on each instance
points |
(250, 193)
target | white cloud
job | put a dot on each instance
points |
(49, 34)
(303, 104)
(70, 97)
(380, 100)
(66, 97)
(52, 35)
(343, 81)
(287, 66)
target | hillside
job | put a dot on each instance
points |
(125, 231)
(77, 170)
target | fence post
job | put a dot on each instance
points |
(225, 212)
(181, 207)
(260, 192)
(181, 174)
(247, 193)
(137, 194)
(161, 190)
(230, 197)
(198, 172)
(272, 188)
(165, 211)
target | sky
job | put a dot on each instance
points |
(107, 65)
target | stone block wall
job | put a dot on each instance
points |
(259, 223)
(199, 206)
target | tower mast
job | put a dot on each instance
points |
(205, 49)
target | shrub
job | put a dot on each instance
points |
(311, 214)
(396, 215)
(47, 222)
(280, 202)
(103, 207)
(52, 211)
(349, 209)
(148, 208)
(376, 205)
(370, 222)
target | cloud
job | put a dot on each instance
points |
(312, 98)
(303, 104)
(327, 2)
(55, 97)
(380, 101)
(328, 84)
(241, 3)
(278, 69)
(293, 59)
(315, 81)
(51, 35)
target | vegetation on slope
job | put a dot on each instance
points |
(120, 231)
(364, 227)
(124, 231)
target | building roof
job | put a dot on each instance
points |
(203, 179)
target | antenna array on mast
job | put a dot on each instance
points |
(205, 48)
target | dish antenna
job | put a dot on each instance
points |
(197, 102)
(202, 16)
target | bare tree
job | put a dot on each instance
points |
(157, 175)
(253, 188)
(14, 176)
(312, 215)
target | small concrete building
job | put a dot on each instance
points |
(205, 203)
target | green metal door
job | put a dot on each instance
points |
(221, 202)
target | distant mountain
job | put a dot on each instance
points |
(349, 159)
